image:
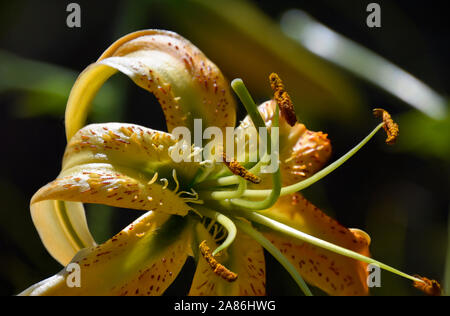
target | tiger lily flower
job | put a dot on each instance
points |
(222, 214)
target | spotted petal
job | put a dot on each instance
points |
(186, 83)
(143, 259)
(110, 164)
(333, 273)
(244, 257)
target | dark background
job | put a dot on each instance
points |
(398, 195)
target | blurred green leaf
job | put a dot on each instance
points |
(100, 218)
(43, 89)
(424, 136)
(362, 62)
(447, 264)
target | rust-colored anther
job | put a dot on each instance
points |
(390, 126)
(237, 169)
(218, 268)
(283, 99)
(429, 287)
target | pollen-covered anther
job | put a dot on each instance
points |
(429, 287)
(237, 169)
(283, 99)
(390, 126)
(218, 268)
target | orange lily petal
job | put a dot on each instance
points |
(110, 185)
(143, 259)
(331, 272)
(109, 164)
(186, 83)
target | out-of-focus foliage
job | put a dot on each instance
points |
(425, 136)
(447, 265)
(363, 63)
(43, 89)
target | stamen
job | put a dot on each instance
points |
(219, 233)
(165, 183)
(195, 199)
(175, 178)
(283, 99)
(237, 169)
(223, 220)
(274, 194)
(217, 267)
(429, 287)
(226, 194)
(319, 175)
(153, 180)
(390, 126)
(223, 181)
(285, 229)
(211, 223)
(276, 253)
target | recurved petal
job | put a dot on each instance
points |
(143, 259)
(331, 272)
(186, 83)
(110, 185)
(302, 152)
(108, 164)
(62, 228)
(244, 257)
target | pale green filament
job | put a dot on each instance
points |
(223, 195)
(276, 253)
(272, 198)
(175, 178)
(224, 221)
(319, 175)
(285, 229)
(206, 168)
(252, 109)
(230, 180)
(233, 179)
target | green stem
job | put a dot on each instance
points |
(249, 230)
